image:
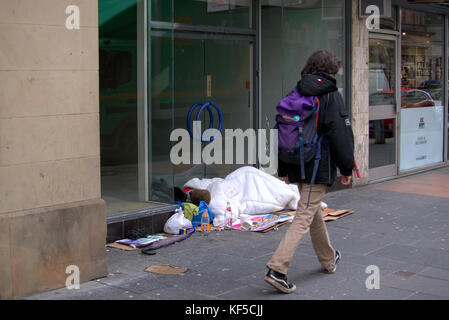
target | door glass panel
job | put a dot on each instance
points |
(189, 89)
(218, 71)
(381, 143)
(382, 70)
(227, 64)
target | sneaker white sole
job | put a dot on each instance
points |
(278, 286)
(335, 267)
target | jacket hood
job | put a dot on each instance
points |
(317, 84)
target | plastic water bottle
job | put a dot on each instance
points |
(205, 225)
(228, 216)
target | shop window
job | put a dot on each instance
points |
(120, 105)
(422, 112)
(390, 23)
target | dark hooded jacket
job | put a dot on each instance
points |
(334, 123)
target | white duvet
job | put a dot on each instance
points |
(249, 191)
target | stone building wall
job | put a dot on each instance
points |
(51, 212)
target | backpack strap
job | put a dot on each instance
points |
(301, 140)
(301, 153)
(315, 167)
(318, 152)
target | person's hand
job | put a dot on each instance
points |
(345, 180)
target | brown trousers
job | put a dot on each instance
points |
(306, 219)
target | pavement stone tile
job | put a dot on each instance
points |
(440, 243)
(429, 223)
(423, 296)
(386, 265)
(105, 293)
(356, 290)
(89, 291)
(363, 225)
(436, 273)
(263, 292)
(418, 283)
(175, 292)
(203, 283)
(425, 256)
(64, 293)
(248, 250)
(141, 285)
(357, 245)
(405, 236)
(232, 267)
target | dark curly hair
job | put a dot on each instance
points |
(321, 61)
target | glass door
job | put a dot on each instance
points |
(201, 52)
(216, 71)
(229, 77)
(383, 97)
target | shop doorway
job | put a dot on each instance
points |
(216, 70)
(383, 106)
(193, 64)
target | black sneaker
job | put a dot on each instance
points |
(279, 281)
(337, 258)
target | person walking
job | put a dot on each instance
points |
(337, 150)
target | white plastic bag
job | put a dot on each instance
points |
(176, 222)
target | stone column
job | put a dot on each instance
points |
(360, 92)
(51, 212)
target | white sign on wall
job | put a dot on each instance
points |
(421, 136)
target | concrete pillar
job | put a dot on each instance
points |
(360, 92)
(51, 212)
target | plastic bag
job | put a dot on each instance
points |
(176, 222)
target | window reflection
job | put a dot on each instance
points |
(422, 50)
(381, 72)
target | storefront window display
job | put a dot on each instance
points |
(422, 111)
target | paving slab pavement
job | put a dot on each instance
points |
(398, 229)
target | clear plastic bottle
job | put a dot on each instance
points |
(228, 216)
(205, 224)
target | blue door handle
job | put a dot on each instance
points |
(205, 105)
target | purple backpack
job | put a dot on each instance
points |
(297, 122)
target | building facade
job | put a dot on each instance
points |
(88, 110)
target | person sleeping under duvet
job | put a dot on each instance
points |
(249, 191)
